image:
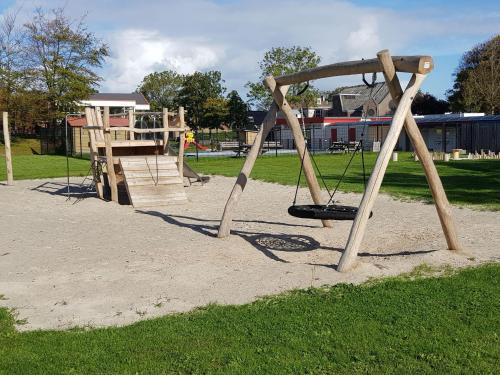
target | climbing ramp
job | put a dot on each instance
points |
(152, 180)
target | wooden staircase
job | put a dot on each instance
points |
(152, 180)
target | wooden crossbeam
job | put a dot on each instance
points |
(408, 64)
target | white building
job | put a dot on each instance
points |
(134, 100)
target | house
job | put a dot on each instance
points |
(321, 132)
(355, 101)
(134, 100)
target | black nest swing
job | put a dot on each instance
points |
(330, 211)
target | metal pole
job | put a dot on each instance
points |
(67, 157)
(196, 147)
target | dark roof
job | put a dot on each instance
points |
(435, 119)
(361, 95)
(256, 117)
(137, 96)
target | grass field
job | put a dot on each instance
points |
(43, 166)
(427, 325)
(467, 182)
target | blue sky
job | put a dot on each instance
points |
(232, 36)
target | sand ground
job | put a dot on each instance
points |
(94, 263)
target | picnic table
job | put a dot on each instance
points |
(343, 146)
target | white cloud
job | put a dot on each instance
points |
(232, 36)
(136, 53)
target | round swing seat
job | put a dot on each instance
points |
(323, 212)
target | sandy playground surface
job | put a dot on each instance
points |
(95, 263)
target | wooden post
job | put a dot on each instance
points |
(165, 135)
(94, 155)
(239, 186)
(182, 137)
(300, 144)
(131, 124)
(359, 226)
(8, 155)
(109, 156)
(439, 195)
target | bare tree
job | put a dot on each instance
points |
(11, 61)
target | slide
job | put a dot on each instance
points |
(188, 171)
(198, 145)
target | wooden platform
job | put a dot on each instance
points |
(152, 181)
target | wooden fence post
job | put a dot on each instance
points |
(131, 124)
(166, 133)
(8, 155)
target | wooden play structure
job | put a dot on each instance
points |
(8, 155)
(419, 66)
(147, 171)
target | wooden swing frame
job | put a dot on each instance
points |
(419, 66)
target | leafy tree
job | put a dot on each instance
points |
(427, 104)
(61, 56)
(237, 111)
(161, 89)
(196, 90)
(482, 86)
(215, 111)
(279, 61)
(477, 66)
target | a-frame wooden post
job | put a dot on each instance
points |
(435, 185)
(359, 226)
(241, 181)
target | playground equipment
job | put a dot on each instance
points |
(6, 141)
(419, 66)
(190, 139)
(143, 169)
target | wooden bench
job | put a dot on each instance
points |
(232, 145)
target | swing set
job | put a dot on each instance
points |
(389, 65)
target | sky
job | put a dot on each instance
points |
(233, 35)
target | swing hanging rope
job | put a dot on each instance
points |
(331, 210)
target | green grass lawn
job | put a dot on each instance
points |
(43, 166)
(445, 325)
(467, 182)
(22, 146)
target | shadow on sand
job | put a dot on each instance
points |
(267, 243)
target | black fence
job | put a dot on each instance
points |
(52, 139)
